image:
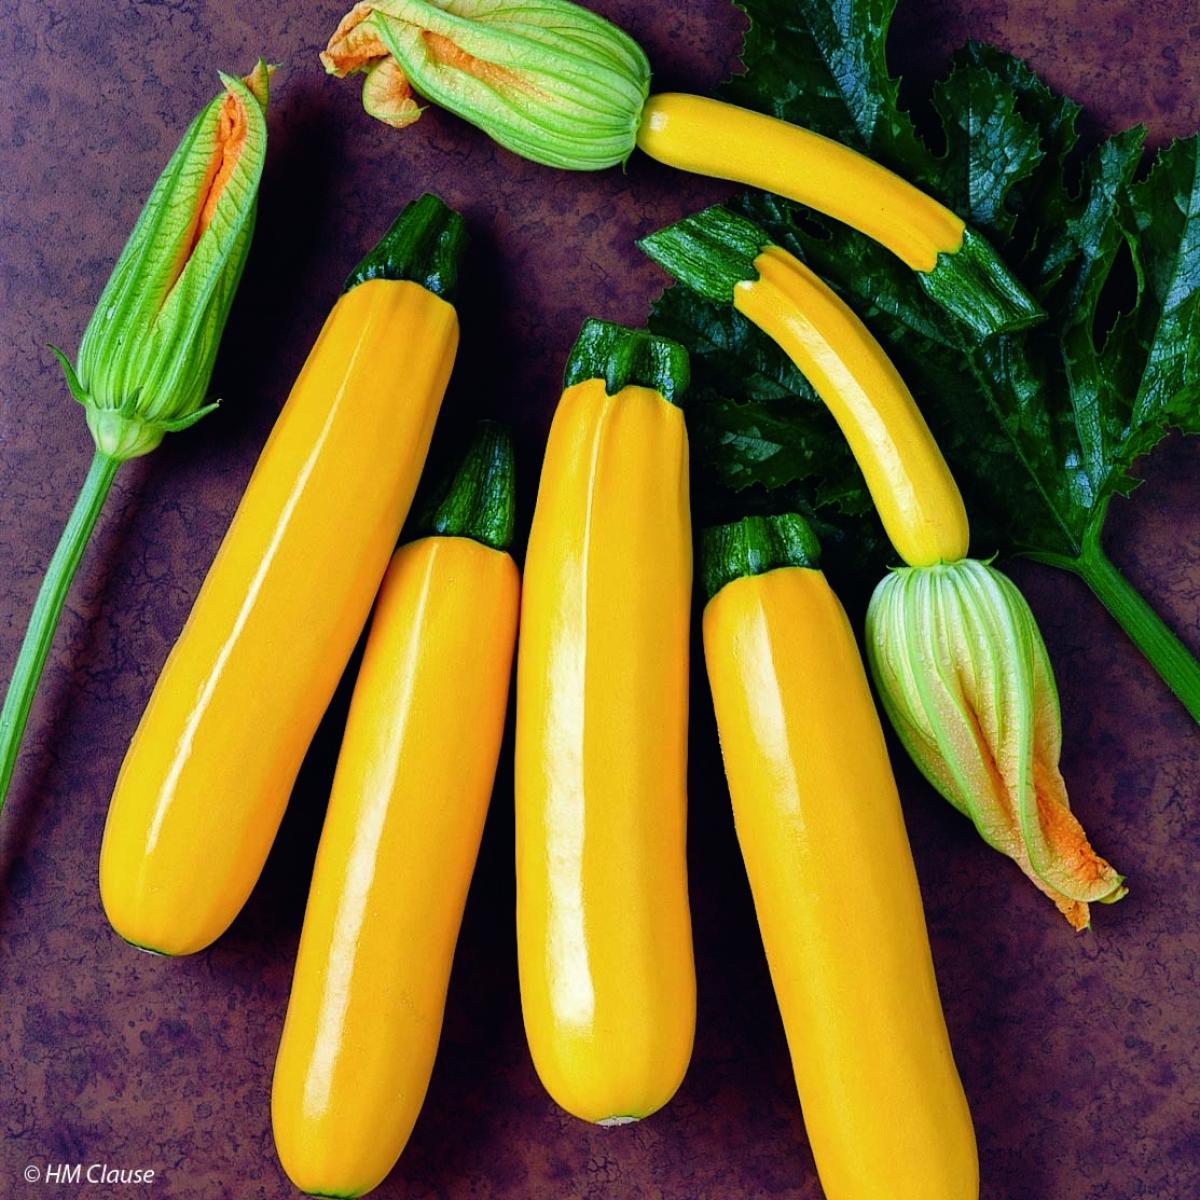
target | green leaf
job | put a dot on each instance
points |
(1039, 198)
(1160, 338)
(824, 66)
(1041, 427)
(990, 146)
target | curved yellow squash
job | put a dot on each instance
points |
(397, 851)
(603, 929)
(712, 138)
(823, 838)
(210, 768)
(918, 501)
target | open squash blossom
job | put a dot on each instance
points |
(147, 355)
(964, 676)
(547, 79)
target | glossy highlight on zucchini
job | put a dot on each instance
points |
(604, 945)
(211, 766)
(401, 835)
(820, 829)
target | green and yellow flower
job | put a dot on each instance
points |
(147, 354)
(964, 676)
(548, 79)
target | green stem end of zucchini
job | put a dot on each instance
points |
(628, 358)
(424, 245)
(710, 252)
(975, 286)
(754, 546)
(480, 502)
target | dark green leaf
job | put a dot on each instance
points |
(824, 66)
(990, 147)
(1159, 340)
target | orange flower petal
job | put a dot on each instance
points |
(354, 45)
(388, 96)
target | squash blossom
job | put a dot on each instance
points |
(964, 676)
(548, 80)
(147, 354)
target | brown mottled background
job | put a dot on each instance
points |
(1079, 1054)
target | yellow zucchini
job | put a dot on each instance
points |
(210, 768)
(710, 137)
(725, 257)
(400, 839)
(954, 264)
(820, 828)
(603, 927)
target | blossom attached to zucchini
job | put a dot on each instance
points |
(558, 84)
(964, 676)
(954, 648)
(147, 355)
(550, 81)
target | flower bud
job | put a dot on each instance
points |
(963, 674)
(549, 80)
(147, 354)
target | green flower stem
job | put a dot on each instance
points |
(47, 610)
(1176, 664)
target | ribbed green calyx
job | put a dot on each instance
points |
(147, 355)
(625, 357)
(978, 288)
(710, 252)
(548, 79)
(424, 245)
(480, 502)
(754, 546)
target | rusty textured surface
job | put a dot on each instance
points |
(1079, 1054)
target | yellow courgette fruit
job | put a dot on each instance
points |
(603, 926)
(397, 851)
(821, 831)
(710, 137)
(725, 257)
(210, 768)
(918, 501)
